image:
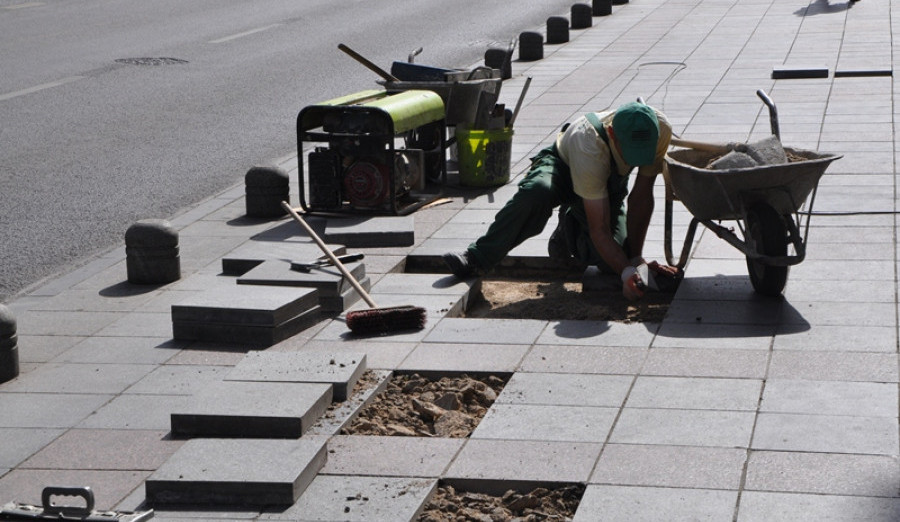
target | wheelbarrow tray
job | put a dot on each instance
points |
(727, 194)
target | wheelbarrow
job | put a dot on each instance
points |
(764, 200)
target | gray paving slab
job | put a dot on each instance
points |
(695, 393)
(837, 338)
(253, 472)
(255, 409)
(327, 279)
(651, 504)
(551, 358)
(109, 486)
(539, 422)
(340, 370)
(731, 429)
(382, 355)
(121, 350)
(449, 357)
(598, 333)
(178, 379)
(21, 443)
(510, 461)
(670, 466)
(390, 456)
(64, 322)
(249, 334)
(138, 324)
(369, 231)
(718, 336)
(43, 348)
(831, 366)
(245, 305)
(133, 412)
(421, 284)
(826, 433)
(250, 254)
(864, 399)
(332, 497)
(80, 378)
(705, 362)
(48, 410)
(100, 449)
(823, 473)
(566, 389)
(486, 331)
(760, 506)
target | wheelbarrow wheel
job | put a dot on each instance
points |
(768, 231)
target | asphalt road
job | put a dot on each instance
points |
(92, 140)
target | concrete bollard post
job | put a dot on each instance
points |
(531, 46)
(9, 349)
(557, 30)
(581, 16)
(151, 252)
(265, 188)
(602, 7)
(501, 59)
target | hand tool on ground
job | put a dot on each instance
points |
(372, 67)
(306, 267)
(374, 320)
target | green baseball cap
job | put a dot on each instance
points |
(637, 131)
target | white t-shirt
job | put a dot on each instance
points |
(588, 156)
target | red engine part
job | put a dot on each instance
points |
(367, 183)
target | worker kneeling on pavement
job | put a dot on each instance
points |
(585, 173)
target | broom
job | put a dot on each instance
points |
(374, 320)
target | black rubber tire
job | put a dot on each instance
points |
(768, 230)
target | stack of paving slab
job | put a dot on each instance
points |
(248, 446)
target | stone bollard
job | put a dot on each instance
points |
(9, 350)
(557, 30)
(265, 189)
(581, 16)
(531, 46)
(151, 252)
(602, 7)
(501, 59)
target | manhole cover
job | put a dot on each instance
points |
(151, 61)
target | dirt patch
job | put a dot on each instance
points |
(416, 406)
(540, 504)
(561, 299)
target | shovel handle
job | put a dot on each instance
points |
(722, 148)
(337, 262)
(372, 67)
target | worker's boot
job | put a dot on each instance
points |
(557, 245)
(462, 264)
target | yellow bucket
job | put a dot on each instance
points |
(484, 156)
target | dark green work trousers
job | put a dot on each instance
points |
(548, 185)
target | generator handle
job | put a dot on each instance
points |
(67, 491)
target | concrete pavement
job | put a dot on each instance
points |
(733, 407)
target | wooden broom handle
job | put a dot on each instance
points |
(337, 262)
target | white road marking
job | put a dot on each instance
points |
(245, 33)
(37, 88)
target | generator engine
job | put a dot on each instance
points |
(368, 160)
(363, 182)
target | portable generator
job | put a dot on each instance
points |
(372, 151)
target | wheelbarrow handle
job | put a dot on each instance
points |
(721, 148)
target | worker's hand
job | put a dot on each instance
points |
(663, 270)
(632, 284)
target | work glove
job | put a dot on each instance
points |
(632, 284)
